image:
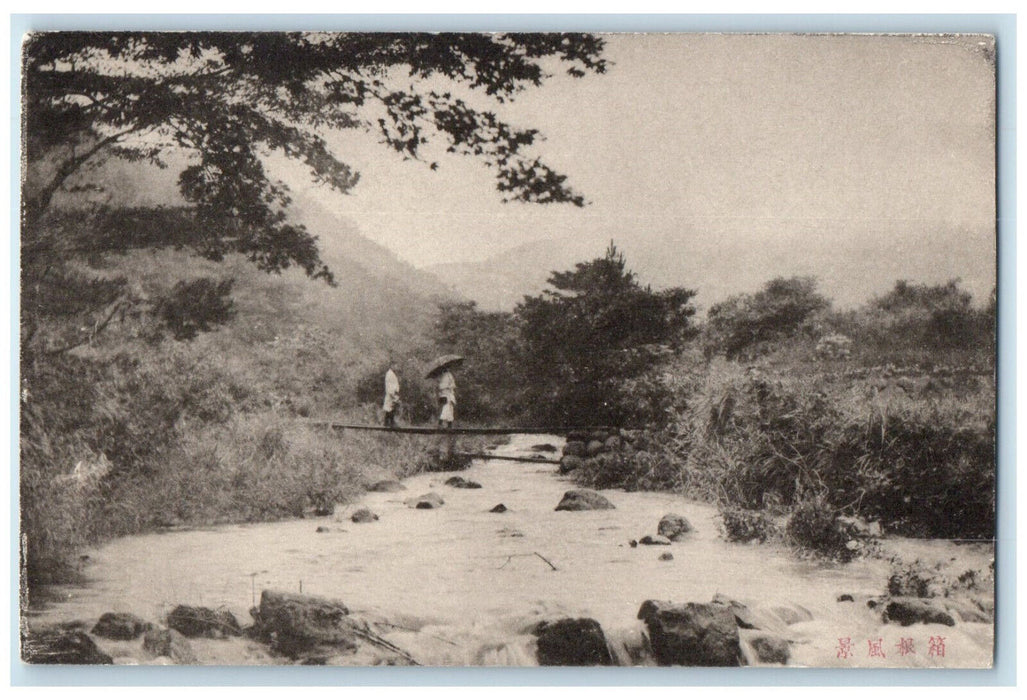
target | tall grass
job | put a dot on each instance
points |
(799, 439)
(119, 445)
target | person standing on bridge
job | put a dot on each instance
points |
(447, 399)
(391, 403)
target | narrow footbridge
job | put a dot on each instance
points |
(415, 430)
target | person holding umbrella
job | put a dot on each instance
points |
(391, 403)
(441, 370)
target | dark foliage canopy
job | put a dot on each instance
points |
(596, 327)
(741, 324)
(218, 104)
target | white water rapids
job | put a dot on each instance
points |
(460, 585)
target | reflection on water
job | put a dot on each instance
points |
(463, 585)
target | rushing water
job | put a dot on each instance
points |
(460, 585)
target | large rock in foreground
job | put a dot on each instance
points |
(194, 621)
(909, 611)
(584, 499)
(693, 634)
(120, 626)
(62, 646)
(298, 623)
(572, 642)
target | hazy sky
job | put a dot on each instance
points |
(835, 144)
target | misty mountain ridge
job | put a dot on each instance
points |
(729, 262)
(379, 303)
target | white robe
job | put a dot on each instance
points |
(447, 390)
(391, 391)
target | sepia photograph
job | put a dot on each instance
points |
(508, 349)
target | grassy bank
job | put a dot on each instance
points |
(785, 447)
(119, 445)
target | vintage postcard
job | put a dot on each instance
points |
(508, 349)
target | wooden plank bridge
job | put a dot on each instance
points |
(453, 432)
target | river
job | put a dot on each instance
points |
(460, 585)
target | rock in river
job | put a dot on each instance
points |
(569, 463)
(584, 499)
(654, 539)
(572, 642)
(61, 646)
(908, 611)
(169, 643)
(298, 624)
(426, 501)
(458, 482)
(364, 515)
(119, 625)
(674, 527)
(693, 634)
(386, 486)
(194, 621)
(770, 649)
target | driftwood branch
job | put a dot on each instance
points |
(532, 554)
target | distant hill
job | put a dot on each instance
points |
(380, 303)
(719, 264)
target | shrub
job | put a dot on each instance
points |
(742, 525)
(742, 326)
(813, 526)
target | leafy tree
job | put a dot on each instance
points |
(597, 327)
(937, 315)
(215, 107)
(227, 100)
(743, 323)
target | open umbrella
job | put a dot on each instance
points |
(441, 364)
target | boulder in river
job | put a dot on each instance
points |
(574, 448)
(674, 527)
(693, 634)
(909, 611)
(498, 508)
(666, 556)
(120, 625)
(458, 482)
(426, 501)
(297, 624)
(364, 515)
(543, 447)
(169, 643)
(572, 642)
(386, 486)
(569, 463)
(61, 646)
(195, 621)
(584, 499)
